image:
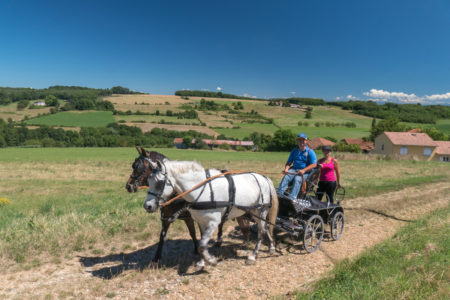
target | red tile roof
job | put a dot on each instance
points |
(353, 141)
(317, 142)
(415, 130)
(410, 139)
(365, 146)
(443, 147)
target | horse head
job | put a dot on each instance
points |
(160, 186)
(141, 168)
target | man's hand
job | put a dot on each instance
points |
(301, 172)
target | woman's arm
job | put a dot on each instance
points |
(337, 170)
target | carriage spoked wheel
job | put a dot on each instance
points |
(337, 225)
(313, 234)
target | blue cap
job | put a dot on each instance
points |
(302, 135)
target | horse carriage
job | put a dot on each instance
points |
(215, 197)
(305, 217)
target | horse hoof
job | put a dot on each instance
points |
(250, 262)
(199, 266)
(153, 264)
(272, 250)
(212, 262)
(218, 244)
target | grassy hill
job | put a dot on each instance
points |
(253, 117)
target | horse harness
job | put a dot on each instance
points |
(212, 204)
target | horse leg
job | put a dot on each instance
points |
(207, 231)
(245, 227)
(191, 227)
(162, 239)
(261, 231)
(219, 236)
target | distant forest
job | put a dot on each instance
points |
(415, 113)
(113, 135)
(77, 98)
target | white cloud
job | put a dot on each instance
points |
(293, 93)
(338, 98)
(219, 89)
(438, 97)
(391, 95)
(351, 97)
(248, 95)
(383, 95)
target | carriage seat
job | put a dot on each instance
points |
(309, 186)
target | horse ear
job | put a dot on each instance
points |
(139, 150)
(146, 153)
(161, 166)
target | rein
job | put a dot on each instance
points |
(209, 179)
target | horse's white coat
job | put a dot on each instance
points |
(181, 176)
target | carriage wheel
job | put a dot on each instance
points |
(313, 235)
(337, 225)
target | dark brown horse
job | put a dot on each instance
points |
(176, 210)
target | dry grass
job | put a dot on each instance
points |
(145, 127)
(151, 102)
(10, 111)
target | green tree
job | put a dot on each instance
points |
(308, 114)
(283, 140)
(51, 100)
(187, 141)
(387, 125)
(22, 104)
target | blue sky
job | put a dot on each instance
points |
(384, 50)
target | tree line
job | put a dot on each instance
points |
(113, 135)
(415, 113)
(75, 97)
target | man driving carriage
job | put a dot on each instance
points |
(303, 160)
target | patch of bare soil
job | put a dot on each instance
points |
(145, 127)
(368, 220)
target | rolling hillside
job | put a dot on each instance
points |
(219, 118)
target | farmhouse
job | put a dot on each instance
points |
(442, 152)
(178, 142)
(39, 103)
(318, 143)
(366, 147)
(405, 144)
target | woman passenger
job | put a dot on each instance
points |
(328, 181)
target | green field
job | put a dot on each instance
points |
(65, 201)
(154, 119)
(76, 119)
(414, 264)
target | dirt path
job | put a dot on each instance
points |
(126, 276)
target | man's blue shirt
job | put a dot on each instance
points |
(302, 159)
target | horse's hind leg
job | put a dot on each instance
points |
(162, 239)
(262, 229)
(219, 236)
(191, 227)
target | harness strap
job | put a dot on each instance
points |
(209, 205)
(208, 175)
(231, 196)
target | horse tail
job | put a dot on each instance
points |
(273, 211)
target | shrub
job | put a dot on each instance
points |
(225, 146)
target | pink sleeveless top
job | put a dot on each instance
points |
(327, 171)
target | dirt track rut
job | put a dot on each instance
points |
(368, 220)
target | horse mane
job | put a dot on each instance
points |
(154, 156)
(182, 167)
